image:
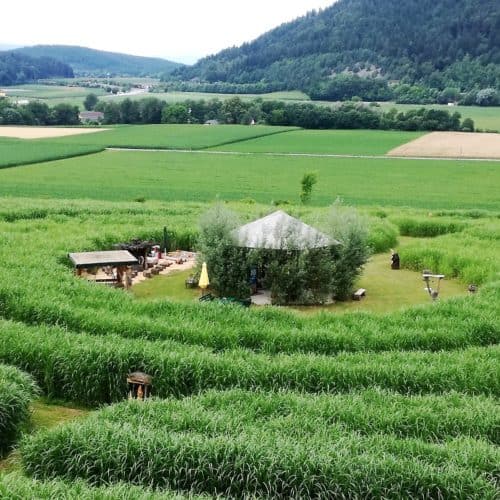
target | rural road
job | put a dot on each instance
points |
(311, 155)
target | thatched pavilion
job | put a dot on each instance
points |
(281, 241)
(280, 231)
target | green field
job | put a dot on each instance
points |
(174, 136)
(20, 151)
(126, 176)
(396, 397)
(338, 142)
(52, 94)
(485, 118)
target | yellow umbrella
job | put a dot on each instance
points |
(204, 281)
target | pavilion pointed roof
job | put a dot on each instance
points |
(280, 231)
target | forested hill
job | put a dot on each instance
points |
(435, 43)
(19, 68)
(85, 61)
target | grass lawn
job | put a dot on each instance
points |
(45, 414)
(170, 286)
(387, 290)
(171, 176)
(348, 142)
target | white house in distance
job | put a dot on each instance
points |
(91, 116)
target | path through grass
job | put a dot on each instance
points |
(46, 414)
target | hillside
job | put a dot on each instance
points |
(451, 43)
(20, 68)
(85, 61)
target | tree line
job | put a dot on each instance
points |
(38, 113)
(350, 115)
(351, 86)
(150, 110)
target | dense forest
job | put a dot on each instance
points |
(85, 61)
(370, 45)
(19, 68)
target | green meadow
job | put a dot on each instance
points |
(177, 176)
(336, 142)
(23, 151)
(173, 136)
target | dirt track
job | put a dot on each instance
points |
(44, 132)
(451, 145)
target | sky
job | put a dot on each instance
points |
(181, 31)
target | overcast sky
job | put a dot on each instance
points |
(182, 30)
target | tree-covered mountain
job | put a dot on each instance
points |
(437, 44)
(18, 68)
(91, 62)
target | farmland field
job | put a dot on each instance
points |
(176, 136)
(264, 402)
(51, 94)
(340, 142)
(17, 152)
(485, 117)
(174, 176)
(20, 152)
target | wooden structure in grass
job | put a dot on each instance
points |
(108, 267)
(139, 249)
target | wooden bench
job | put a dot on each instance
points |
(359, 294)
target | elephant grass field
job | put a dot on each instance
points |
(248, 403)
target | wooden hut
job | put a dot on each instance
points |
(108, 267)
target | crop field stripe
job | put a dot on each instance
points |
(54, 157)
(202, 176)
(306, 155)
(237, 141)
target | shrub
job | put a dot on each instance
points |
(382, 236)
(426, 228)
(351, 230)
(17, 389)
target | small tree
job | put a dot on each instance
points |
(227, 265)
(308, 181)
(90, 102)
(351, 230)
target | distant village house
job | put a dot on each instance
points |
(91, 116)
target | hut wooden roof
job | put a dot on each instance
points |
(104, 258)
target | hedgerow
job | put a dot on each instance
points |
(262, 446)
(17, 389)
(427, 228)
(14, 486)
(92, 369)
